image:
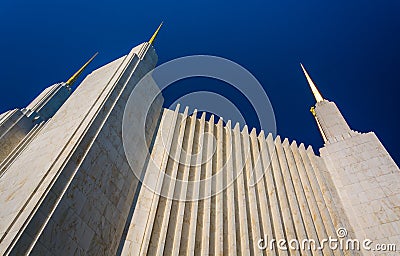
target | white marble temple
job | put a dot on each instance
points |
(72, 187)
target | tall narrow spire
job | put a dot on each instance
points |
(317, 94)
(153, 37)
(79, 72)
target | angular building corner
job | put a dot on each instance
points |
(364, 174)
(70, 188)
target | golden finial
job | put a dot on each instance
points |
(314, 89)
(153, 37)
(312, 110)
(79, 72)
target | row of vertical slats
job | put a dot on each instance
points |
(205, 234)
(302, 212)
(241, 200)
(195, 191)
(140, 229)
(157, 177)
(230, 217)
(263, 198)
(334, 207)
(254, 223)
(157, 241)
(181, 190)
(252, 187)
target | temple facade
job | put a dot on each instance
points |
(186, 185)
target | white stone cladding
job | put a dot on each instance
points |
(331, 123)
(71, 187)
(294, 199)
(364, 175)
(48, 102)
(70, 190)
(14, 126)
(368, 183)
(4, 115)
(42, 96)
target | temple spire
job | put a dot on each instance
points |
(317, 94)
(73, 78)
(153, 37)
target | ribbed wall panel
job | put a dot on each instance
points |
(263, 197)
(301, 212)
(311, 201)
(219, 196)
(278, 161)
(177, 209)
(305, 208)
(254, 232)
(277, 218)
(195, 174)
(181, 190)
(205, 235)
(243, 212)
(334, 207)
(318, 192)
(157, 241)
(250, 187)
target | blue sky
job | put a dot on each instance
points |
(351, 49)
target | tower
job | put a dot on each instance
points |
(18, 126)
(365, 176)
(72, 187)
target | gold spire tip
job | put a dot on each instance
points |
(79, 72)
(317, 94)
(153, 37)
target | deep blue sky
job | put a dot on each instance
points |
(351, 49)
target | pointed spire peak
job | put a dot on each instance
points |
(186, 111)
(286, 141)
(220, 121)
(211, 119)
(73, 78)
(245, 129)
(194, 114)
(317, 94)
(310, 148)
(178, 106)
(203, 116)
(153, 37)
(278, 139)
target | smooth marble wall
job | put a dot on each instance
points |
(77, 192)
